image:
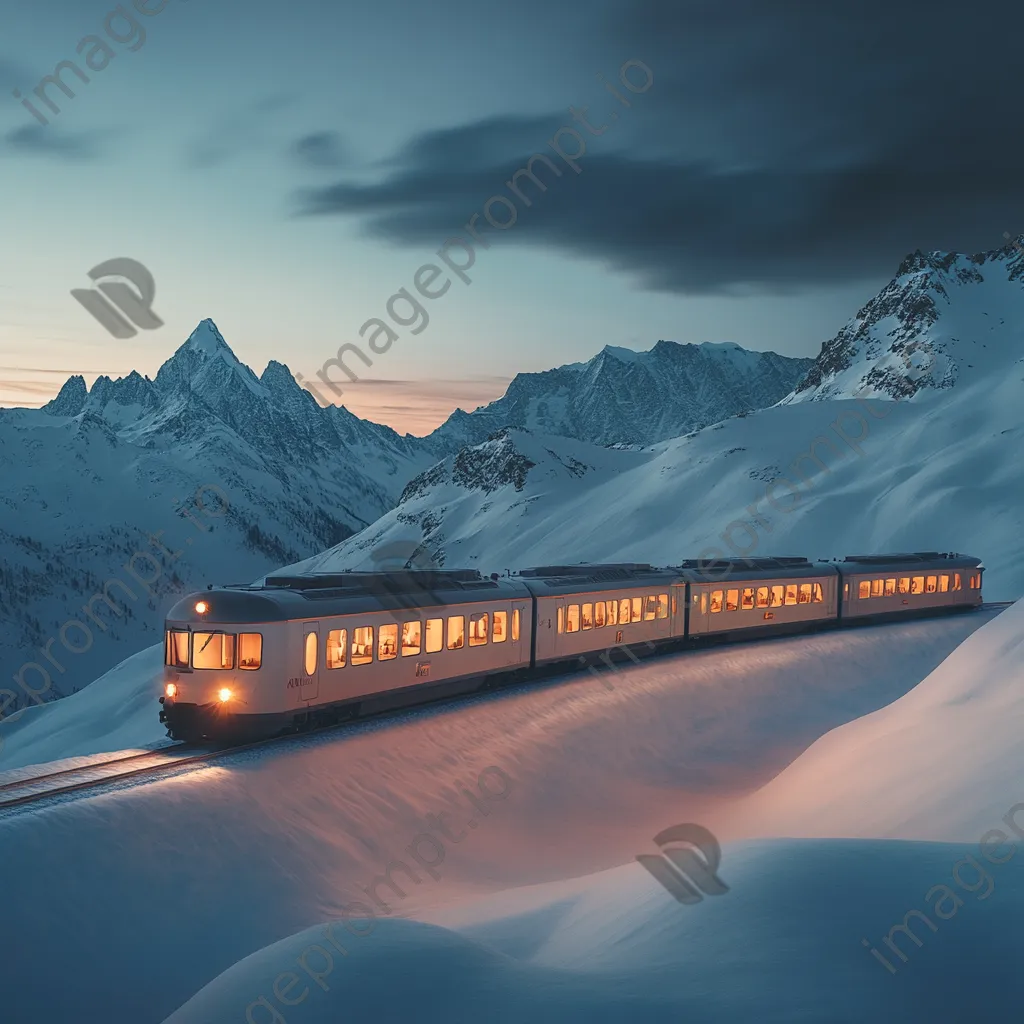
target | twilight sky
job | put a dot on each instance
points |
(286, 168)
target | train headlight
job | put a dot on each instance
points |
(171, 690)
(224, 695)
(202, 607)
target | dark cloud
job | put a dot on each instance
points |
(321, 150)
(49, 141)
(782, 146)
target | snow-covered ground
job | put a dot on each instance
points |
(220, 881)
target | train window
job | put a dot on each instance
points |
(412, 634)
(762, 597)
(931, 584)
(864, 590)
(362, 645)
(890, 586)
(588, 616)
(791, 593)
(500, 630)
(777, 595)
(434, 639)
(976, 582)
(337, 648)
(704, 603)
(598, 614)
(846, 591)
(612, 612)
(904, 585)
(176, 651)
(456, 632)
(515, 624)
(217, 650)
(624, 607)
(805, 593)
(732, 600)
(663, 606)
(250, 651)
(748, 598)
(561, 619)
(387, 642)
(674, 605)
(572, 618)
(638, 609)
(819, 597)
(651, 610)
(956, 581)
(877, 588)
(478, 629)
(944, 583)
(917, 585)
(309, 661)
(716, 600)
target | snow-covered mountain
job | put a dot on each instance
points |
(927, 458)
(99, 476)
(622, 396)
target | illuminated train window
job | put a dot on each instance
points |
(435, 635)
(944, 583)
(904, 585)
(250, 651)
(747, 601)
(561, 619)
(624, 606)
(515, 624)
(387, 642)
(956, 581)
(411, 634)
(598, 614)
(732, 600)
(716, 600)
(877, 588)
(362, 645)
(819, 597)
(778, 593)
(500, 630)
(890, 587)
(612, 612)
(663, 606)
(213, 650)
(337, 648)
(456, 632)
(917, 585)
(176, 649)
(309, 660)
(931, 585)
(762, 597)
(791, 597)
(805, 593)
(588, 616)
(478, 629)
(572, 618)
(638, 609)
(652, 607)
(864, 589)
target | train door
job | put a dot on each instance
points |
(517, 627)
(678, 609)
(310, 687)
(698, 624)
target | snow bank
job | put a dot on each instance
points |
(943, 762)
(118, 711)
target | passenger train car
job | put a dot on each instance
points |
(301, 651)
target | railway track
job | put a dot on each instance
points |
(37, 788)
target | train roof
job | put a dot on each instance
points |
(545, 580)
(308, 596)
(780, 567)
(906, 561)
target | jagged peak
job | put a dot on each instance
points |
(71, 398)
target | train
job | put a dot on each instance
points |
(294, 652)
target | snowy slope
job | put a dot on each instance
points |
(622, 396)
(901, 450)
(942, 763)
(215, 864)
(97, 477)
